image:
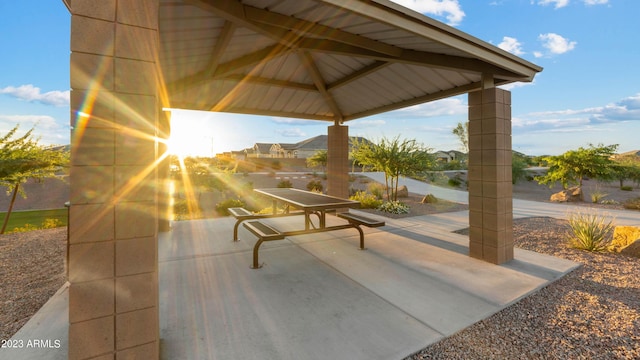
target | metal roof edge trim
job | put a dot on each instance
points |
(398, 16)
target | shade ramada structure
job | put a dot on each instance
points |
(322, 60)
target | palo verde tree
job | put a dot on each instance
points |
(319, 158)
(22, 158)
(573, 166)
(462, 133)
(395, 158)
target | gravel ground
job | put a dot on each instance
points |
(31, 271)
(591, 313)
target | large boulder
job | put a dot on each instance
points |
(403, 192)
(573, 194)
(632, 249)
(626, 240)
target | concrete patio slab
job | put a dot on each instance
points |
(318, 296)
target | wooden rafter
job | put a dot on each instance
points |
(320, 84)
(223, 41)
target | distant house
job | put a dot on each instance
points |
(449, 156)
(628, 153)
(302, 150)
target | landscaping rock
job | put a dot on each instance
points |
(403, 192)
(626, 240)
(632, 249)
(623, 236)
(573, 194)
(429, 199)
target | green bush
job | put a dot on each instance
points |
(24, 228)
(367, 201)
(376, 189)
(181, 210)
(223, 206)
(589, 231)
(632, 204)
(51, 223)
(285, 184)
(314, 185)
(597, 196)
(454, 181)
(394, 207)
(626, 188)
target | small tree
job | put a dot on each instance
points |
(23, 158)
(627, 168)
(574, 165)
(394, 157)
(318, 159)
(462, 132)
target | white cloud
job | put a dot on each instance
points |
(291, 132)
(556, 44)
(558, 3)
(26, 122)
(449, 9)
(32, 94)
(595, 2)
(579, 120)
(444, 107)
(511, 45)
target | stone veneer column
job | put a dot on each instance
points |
(338, 161)
(113, 267)
(490, 187)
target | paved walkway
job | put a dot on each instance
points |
(318, 297)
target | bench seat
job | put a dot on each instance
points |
(264, 233)
(360, 220)
(238, 212)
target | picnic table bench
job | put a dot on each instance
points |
(309, 203)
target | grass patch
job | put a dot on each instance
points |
(21, 219)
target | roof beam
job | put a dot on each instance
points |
(270, 82)
(229, 67)
(315, 74)
(304, 28)
(293, 35)
(475, 86)
(411, 57)
(223, 41)
(369, 69)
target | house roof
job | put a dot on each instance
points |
(331, 60)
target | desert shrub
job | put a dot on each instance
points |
(632, 204)
(314, 185)
(223, 206)
(367, 200)
(24, 228)
(276, 165)
(285, 184)
(51, 223)
(454, 181)
(626, 188)
(597, 196)
(182, 210)
(394, 207)
(589, 231)
(376, 189)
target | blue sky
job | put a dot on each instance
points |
(589, 91)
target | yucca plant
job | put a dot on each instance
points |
(589, 231)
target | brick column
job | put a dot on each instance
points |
(113, 268)
(490, 187)
(338, 161)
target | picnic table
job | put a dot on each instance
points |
(307, 204)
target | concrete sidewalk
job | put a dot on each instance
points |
(521, 208)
